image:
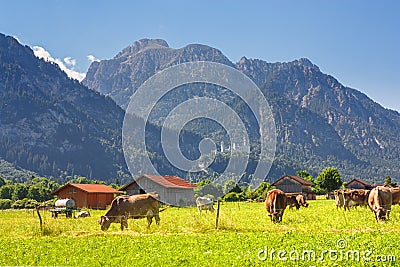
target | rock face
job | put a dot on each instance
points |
(121, 76)
(319, 121)
(365, 128)
(51, 124)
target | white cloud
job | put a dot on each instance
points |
(40, 52)
(92, 58)
(69, 61)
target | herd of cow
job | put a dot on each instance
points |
(379, 200)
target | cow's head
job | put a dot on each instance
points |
(380, 213)
(301, 200)
(104, 222)
(276, 217)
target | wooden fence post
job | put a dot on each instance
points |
(40, 218)
(217, 217)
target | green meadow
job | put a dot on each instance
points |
(319, 235)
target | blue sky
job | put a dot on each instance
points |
(357, 42)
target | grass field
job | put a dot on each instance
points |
(316, 236)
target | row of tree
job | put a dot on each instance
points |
(329, 180)
(37, 189)
(33, 192)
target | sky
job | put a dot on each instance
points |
(357, 42)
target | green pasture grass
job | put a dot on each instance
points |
(245, 237)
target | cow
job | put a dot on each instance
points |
(296, 200)
(380, 202)
(83, 214)
(395, 195)
(132, 206)
(275, 203)
(205, 203)
(339, 200)
(355, 197)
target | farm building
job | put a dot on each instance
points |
(295, 184)
(93, 196)
(172, 189)
(358, 184)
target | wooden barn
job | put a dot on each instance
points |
(172, 189)
(92, 196)
(358, 184)
(295, 184)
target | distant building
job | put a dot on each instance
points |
(358, 184)
(92, 196)
(295, 184)
(172, 189)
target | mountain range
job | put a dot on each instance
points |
(51, 124)
(55, 126)
(320, 122)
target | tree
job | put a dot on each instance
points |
(231, 186)
(260, 192)
(20, 192)
(6, 191)
(329, 180)
(205, 187)
(305, 175)
(388, 181)
(2, 181)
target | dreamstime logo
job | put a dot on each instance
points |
(340, 253)
(149, 94)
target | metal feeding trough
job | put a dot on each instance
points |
(64, 206)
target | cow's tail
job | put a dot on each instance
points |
(164, 208)
(276, 197)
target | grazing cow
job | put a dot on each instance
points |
(380, 202)
(275, 203)
(395, 195)
(133, 206)
(296, 201)
(205, 203)
(83, 214)
(355, 197)
(339, 200)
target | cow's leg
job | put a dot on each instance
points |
(149, 221)
(124, 222)
(157, 218)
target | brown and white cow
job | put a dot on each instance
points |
(296, 200)
(132, 206)
(395, 195)
(355, 197)
(380, 202)
(339, 200)
(275, 203)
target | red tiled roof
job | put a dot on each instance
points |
(90, 188)
(166, 181)
(296, 178)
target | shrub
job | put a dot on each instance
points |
(233, 196)
(25, 203)
(5, 204)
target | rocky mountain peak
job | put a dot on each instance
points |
(305, 62)
(141, 45)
